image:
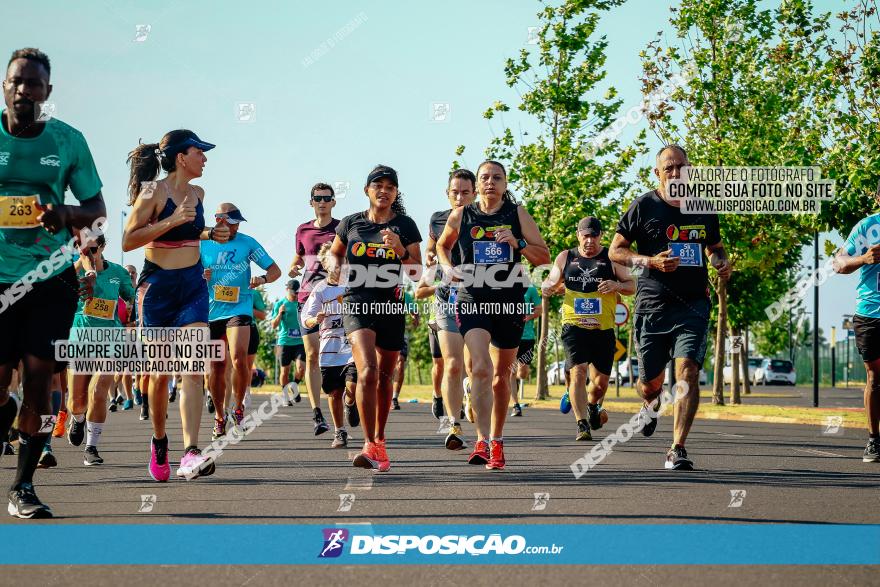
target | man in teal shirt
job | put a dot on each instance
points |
(531, 310)
(861, 252)
(40, 159)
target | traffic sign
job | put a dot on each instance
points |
(620, 351)
(621, 314)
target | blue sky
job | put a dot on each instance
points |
(366, 100)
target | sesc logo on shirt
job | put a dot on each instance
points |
(51, 161)
(4, 157)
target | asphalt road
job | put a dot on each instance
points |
(281, 473)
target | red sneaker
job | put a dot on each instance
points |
(384, 462)
(58, 431)
(496, 455)
(480, 456)
(368, 458)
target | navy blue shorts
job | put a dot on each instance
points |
(172, 297)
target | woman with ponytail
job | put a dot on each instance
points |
(383, 242)
(491, 235)
(168, 221)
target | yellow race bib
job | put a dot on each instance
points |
(19, 211)
(100, 308)
(226, 293)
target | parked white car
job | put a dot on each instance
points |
(702, 380)
(621, 369)
(775, 371)
(754, 363)
(556, 373)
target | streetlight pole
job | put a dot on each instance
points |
(815, 319)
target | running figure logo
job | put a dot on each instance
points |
(737, 496)
(541, 501)
(346, 500)
(147, 504)
(141, 32)
(833, 424)
(334, 540)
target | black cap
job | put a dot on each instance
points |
(590, 225)
(182, 146)
(383, 172)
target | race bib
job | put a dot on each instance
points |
(19, 211)
(491, 252)
(587, 306)
(691, 254)
(293, 333)
(100, 308)
(226, 293)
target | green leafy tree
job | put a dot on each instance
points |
(574, 166)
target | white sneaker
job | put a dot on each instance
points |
(294, 391)
(247, 398)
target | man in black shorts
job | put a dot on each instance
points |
(861, 252)
(38, 285)
(592, 285)
(672, 303)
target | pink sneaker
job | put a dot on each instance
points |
(159, 468)
(194, 465)
(384, 463)
(367, 458)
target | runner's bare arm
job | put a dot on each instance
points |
(553, 284)
(448, 239)
(272, 274)
(139, 231)
(621, 253)
(844, 263)
(626, 284)
(719, 260)
(56, 217)
(431, 252)
(295, 265)
(537, 251)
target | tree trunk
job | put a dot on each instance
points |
(541, 391)
(734, 375)
(721, 333)
(747, 382)
(629, 350)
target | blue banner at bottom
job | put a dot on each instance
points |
(279, 544)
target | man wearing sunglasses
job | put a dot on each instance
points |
(309, 238)
(228, 270)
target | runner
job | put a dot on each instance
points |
(592, 284)
(259, 310)
(861, 252)
(44, 159)
(168, 221)
(460, 192)
(111, 284)
(520, 373)
(228, 269)
(285, 318)
(427, 290)
(672, 303)
(132, 323)
(309, 238)
(381, 243)
(338, 375)
(491, 234)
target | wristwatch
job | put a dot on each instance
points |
(521, 244)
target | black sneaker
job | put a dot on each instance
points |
(437, 407)
(593, 416)
(91, 457)
(8, 449)
(172, 395)
(583, 431)
(145, 412)
(321, 425)
(340, 440)
(351, 414)
(209, 403)
(113, 407)
(77, 432)
(395, 405)
(677, 459)
(517, 411)
(24, 504)
(47, 459)
(461, 415)
(650, 418)
(872, 451)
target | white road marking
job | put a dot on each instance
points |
(819, 452)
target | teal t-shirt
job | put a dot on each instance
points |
(532, 297)
(111, 284)
(42, 167)
(257, 299)
(230, 265)
(289, 327)
(864, 235)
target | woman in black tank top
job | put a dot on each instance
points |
(492, 235)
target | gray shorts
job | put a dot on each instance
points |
(444, 313)
(679, 331)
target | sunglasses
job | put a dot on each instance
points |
(322, 198)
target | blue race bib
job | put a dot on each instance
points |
(691, 254)
(587, 306)
(491, 252)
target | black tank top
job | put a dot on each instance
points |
(583, 274)
(478, 249)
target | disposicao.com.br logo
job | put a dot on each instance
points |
(452, 544)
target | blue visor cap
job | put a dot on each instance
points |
(182, 146)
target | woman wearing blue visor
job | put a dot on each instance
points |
(167, 219)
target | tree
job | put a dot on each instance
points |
(757, 96)
(575, 165)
